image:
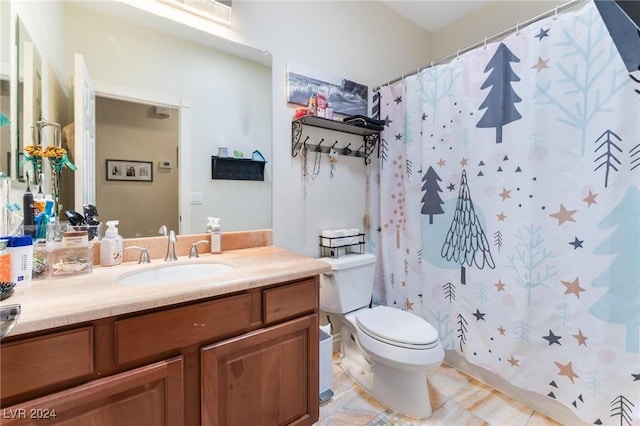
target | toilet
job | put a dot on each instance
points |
(386, 350)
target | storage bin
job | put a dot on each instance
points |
(326, 366)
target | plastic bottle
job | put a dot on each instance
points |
(111, 245)
(329, 112)
(5, 261)
(49, 204)
(215, 233)
(21, 249)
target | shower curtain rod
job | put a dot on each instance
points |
(499, 35)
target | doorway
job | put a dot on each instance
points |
(141, 136)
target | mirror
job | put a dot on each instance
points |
(27, 103)
(218, 92)
(29, 95)
(5, 89)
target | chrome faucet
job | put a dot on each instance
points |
(171, 248)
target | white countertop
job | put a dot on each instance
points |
(56, 302)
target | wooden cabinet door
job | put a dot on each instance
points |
(265, 378)
(150, 395)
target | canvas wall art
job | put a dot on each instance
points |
(345, 96)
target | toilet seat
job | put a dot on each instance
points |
(397, 327)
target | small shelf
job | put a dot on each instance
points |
(370, 137)
(330, 246)
(236, 168)
(325, 123)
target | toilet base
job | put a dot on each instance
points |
(400, 390)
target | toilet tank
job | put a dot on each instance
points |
(349, 285)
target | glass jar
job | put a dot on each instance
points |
(41, 260)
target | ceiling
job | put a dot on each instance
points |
(434, 15)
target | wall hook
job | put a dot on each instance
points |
(346, 149)
(319, 143)
(295, 148)
(334, 145)
(358, 154)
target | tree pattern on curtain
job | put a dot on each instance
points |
(549, 221)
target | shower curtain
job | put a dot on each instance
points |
(506, 211)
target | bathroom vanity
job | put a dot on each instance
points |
(240, 348)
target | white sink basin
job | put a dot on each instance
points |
(174, 274)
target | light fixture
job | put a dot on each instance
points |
(217, 11)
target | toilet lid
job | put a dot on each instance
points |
(397, 327)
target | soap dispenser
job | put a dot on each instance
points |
(111, 245)
(215, 233)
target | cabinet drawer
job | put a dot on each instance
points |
(290, 300)
(149, 395)
(155, 333)
(41, 361)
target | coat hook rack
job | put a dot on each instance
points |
(371, 137)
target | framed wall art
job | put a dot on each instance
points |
(141, 171)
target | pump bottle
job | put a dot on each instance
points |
(111, 245)
(215, 233)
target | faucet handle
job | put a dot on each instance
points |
(144, 253)
(163, 230)
(194, 248)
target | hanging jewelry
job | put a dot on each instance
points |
(316, 161)
(304, 149)
(333, 160)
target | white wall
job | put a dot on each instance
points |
(491, 19)
(362, 41)
(44, 21)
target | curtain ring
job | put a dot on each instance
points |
(517, 28)
(458, 55)
(431, 64)
(555, 16)
(485, 42)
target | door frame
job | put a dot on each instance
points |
(183, 105)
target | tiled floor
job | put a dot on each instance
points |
(456, 399)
